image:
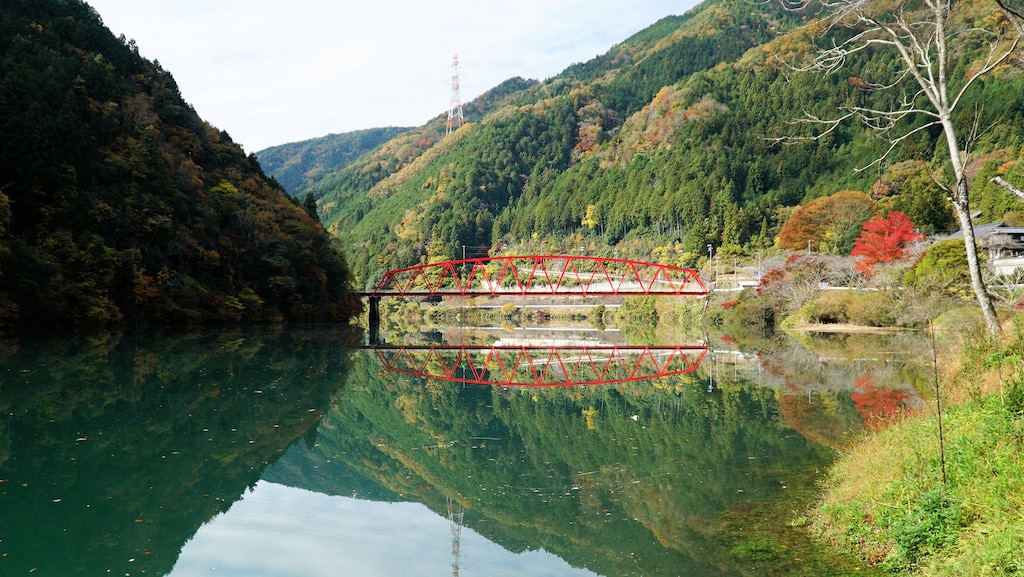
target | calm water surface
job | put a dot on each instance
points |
(294, 452)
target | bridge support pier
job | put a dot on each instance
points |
(374, 328)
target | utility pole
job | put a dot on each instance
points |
(710, 259)
(455, 105)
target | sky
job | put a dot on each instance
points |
(275, 530)
(271, 72)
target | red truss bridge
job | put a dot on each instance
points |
(545, 275)
(541, 366)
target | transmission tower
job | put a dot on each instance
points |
(455, 106)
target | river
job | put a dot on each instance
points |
(297, 452)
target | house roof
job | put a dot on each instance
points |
(983, 230)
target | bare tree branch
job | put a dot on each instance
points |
(990, 64)
(1013, 189)
(894, 143)
(920, 35)
(1013, 15)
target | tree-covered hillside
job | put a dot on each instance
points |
(671, 141)
(118, 204)
(297, 165)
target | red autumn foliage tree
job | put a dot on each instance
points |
(883, 240)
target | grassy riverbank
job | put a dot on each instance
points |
(913, 502)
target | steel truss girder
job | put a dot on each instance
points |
(540, 275)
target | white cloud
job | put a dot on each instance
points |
(270, 72)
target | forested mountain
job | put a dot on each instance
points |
(667, 143)
(298, 164)
(118, 204)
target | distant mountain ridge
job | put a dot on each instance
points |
(300, 164)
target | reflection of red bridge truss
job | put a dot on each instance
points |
(540, 365)
(540, 276)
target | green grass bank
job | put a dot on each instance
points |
(941, 493)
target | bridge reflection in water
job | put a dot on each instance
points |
(540, 365)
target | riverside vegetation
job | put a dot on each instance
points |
(939, 493)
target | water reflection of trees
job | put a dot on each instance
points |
(119, 449)
(630, 479)
(833, 385)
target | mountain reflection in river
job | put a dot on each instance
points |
(287, 452)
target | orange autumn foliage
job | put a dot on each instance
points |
(830, 222)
